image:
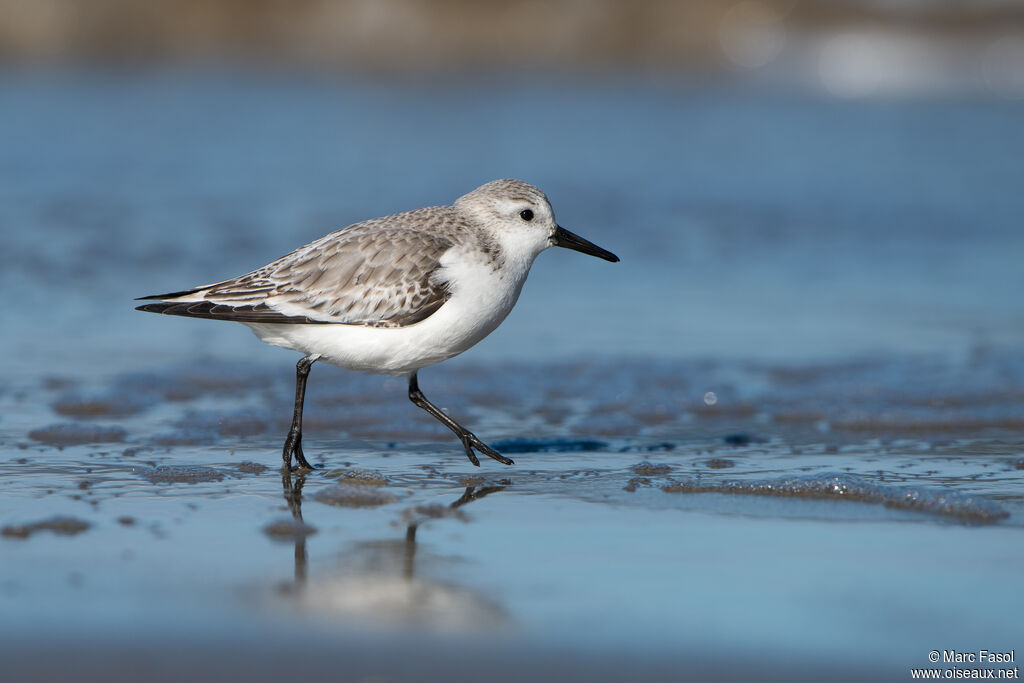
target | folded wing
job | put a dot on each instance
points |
(380, 273)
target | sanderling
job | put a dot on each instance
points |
(395, 294)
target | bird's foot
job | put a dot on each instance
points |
(470, 441)
(293, 447)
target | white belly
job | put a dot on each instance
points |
(480, 300)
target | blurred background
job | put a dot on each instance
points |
(818, 206)
(781, 179)
(848, 45)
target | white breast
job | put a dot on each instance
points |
(481, 297)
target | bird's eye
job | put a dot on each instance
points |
(526, 215)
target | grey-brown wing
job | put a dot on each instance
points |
(380, 273)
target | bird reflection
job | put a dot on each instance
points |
(293, 481)
(377, 578)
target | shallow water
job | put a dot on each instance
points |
(663, 539)
(784, 438)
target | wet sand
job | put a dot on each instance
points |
(633, 537)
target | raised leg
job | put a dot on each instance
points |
(468, 438)
(293, 444)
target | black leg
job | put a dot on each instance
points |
(293, 444)
(468, 438)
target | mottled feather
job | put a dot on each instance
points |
(382, 273)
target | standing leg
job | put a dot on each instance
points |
(293, 444)
(468, 438)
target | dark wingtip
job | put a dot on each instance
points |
(170, 295)
(152, 308)
(260, 313)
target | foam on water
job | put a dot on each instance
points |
(851, 487)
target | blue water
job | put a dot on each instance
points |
(811, 290)
(749, 223)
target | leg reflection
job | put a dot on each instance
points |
(472, 493)
(293, 481)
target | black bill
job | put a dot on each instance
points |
(569, 240)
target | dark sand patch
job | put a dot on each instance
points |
(69, 434)
(96, 407)
(62, 526)
(289, 530)
(359, 477)
(650, 469)
(182, 474)
(249, 467)
(719, 463)
(195, 428)
(351, 496)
